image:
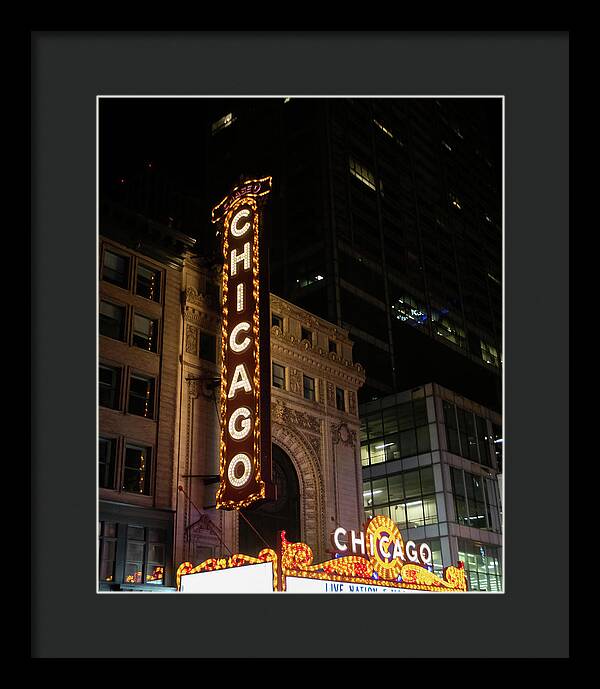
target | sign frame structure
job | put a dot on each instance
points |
(375, 571)
(245, 463)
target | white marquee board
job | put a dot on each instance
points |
(302, 585)
(246, 579)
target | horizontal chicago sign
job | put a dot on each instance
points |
(292, 570)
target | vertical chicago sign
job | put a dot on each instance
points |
(245, 448)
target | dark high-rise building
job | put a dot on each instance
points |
(385, 219)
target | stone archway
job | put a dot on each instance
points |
(306, 462)
(260, 524)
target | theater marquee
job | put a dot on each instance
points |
(245, 448)
(376, 560)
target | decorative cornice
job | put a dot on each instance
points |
(289, 346)
(281, 306)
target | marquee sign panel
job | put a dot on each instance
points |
(245, 445)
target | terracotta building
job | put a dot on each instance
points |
(158, 425)
(314, 417)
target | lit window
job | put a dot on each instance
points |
(455, 202)
(141, 396)
(408, 310)
(145, 333)
(147, 283)
(361, 173)
(309, 280)
(446, 328)
(489, 354)
(136, 470)
(384, 130)
(225, 121)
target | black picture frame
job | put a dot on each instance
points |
(69, 69)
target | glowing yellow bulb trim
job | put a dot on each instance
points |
(256, 467)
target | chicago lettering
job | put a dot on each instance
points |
(383, 548)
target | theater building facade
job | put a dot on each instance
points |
(314, 430)
(158, 419)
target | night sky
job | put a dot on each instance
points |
(170, 134)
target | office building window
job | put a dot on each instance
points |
(277, 320)
(106, 462)
(278, 376)
(448, 329)
(145, 333)
(408, 498)
(136, 469)
(490, 354)
(208, 347)
(222, 123)
(340, 399)
(483, 440)
(147, 283)
(410, 311)
(112, 320)
(483, 565)
(141, 396)
(361, 173)
(474, 506)
(467, 434)
(109, 386)
(498, 443)
(309, 387)
(115, 269)
(395, 433)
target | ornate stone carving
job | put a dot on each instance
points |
(315, 442)
(341, 434)
(295, 381)
(330, 394)
(191, 339)
(193, 296)
(280, 413)
(194, 388)
(320, 393)
(352, 402)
